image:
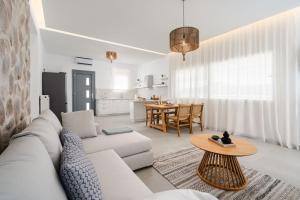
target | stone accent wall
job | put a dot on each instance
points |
(14, 68)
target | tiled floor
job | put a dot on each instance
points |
(279, 162)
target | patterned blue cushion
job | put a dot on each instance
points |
(67, 135)
(78, 175)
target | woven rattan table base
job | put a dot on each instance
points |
(222, 171)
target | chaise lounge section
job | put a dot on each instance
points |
(134, 148)
(118, 181)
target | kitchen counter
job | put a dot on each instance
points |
(112, 106)
(144, 101)
(101, 99)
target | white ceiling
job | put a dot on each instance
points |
(146, 23)
(66, 44)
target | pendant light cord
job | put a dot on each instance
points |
(183, 12)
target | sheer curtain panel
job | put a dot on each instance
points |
(249, 80)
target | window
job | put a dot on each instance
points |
(191, 82)
(242, 78)
(120, 79)
(87, 106)
(239, 78)
(87, 81)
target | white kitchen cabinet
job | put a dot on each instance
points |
(137, 111)
(112, 106)
(123, 106)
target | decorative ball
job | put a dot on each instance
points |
(226, 134)
(226, 140)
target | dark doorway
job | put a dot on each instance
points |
(83, 90)
(54, 85)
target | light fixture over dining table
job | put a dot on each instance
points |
(184, 39)
(111, 55)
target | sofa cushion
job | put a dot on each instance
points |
(68, 136)
(139, 160)
(119, 130)
(78, 174)
(126, 144)
(27, 172)
(118, 181)
(51, 117)
(47, 134)
(81, 123)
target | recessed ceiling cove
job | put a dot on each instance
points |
(147, 23)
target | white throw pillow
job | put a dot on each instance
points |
(51, 117)
(47, 134)
(81, 123)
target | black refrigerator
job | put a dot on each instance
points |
(54, 85)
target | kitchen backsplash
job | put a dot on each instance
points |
(115, 94)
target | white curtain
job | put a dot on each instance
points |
(249, 80)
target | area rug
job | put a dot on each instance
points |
(180, 169)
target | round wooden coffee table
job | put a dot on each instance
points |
(219, 166)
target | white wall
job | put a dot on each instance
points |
(36, 62)
(155, 68)
(103, 72)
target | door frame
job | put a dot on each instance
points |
(74, 100)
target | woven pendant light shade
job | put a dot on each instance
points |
(184, 39)
(111, 55)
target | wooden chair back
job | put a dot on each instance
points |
(184, 111)
(151, 113)
(147, 107)
(197, 110)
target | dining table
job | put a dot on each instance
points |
(163, 109)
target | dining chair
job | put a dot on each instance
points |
(158, 114)
(152, 115)
(182, 118)
(197, 113)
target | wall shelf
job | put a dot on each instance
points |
(141, 87)
(164, 78)
(160, 86)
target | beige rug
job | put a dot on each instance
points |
(180, 169)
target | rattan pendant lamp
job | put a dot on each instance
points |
(111, 55)
(184, 39)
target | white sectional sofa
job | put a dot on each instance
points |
(28, 173)
(134, 148)
(28, 168)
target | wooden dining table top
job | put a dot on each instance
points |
(162, 106)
